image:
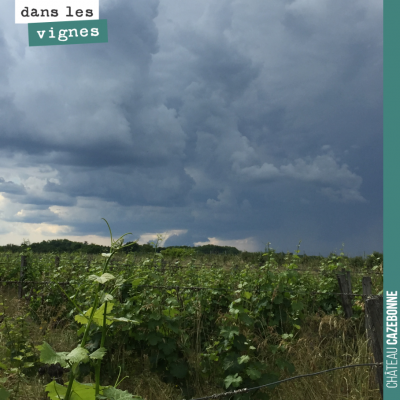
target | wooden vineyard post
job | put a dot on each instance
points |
(21, 275)
(348, 278)
(367, 286)
(345, 290)
(57, 261)
(374, 310)
(367, 291)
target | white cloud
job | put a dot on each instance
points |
(15, 232)
(152, 237)
(248, 244)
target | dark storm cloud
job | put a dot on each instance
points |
(134, 186)
(218, 65)
(231, 120)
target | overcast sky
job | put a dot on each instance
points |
(233, 122)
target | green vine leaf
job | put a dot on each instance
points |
(101, 279)
(79, 354)
(230, 332)
(55, 390)
(112, 393)
(98, 354)
(253, 373)
(80, 391)
(243, 359)
(4, 394)
(137, 282)
(233, 380)
(171, 312)
(98, 315)
(246, 319)
(49, 356)
(106, 297)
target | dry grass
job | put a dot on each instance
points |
(328, 342)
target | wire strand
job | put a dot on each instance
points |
(198, 288)
(216, 396)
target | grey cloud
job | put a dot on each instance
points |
(129, 186)
(342, 194)
(323, 169)
(219, 65)
(11, 188)
(48, 199)
(263, 173)
(35, 216)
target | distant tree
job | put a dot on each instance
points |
(214, 249)
(132, 248)
(175, 252)
(58, 246)
(146, 248)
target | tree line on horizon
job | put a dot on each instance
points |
(58, 246)
(68, 246)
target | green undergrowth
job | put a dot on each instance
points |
(148, 329)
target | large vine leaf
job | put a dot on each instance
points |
(243, 359)
(230, 332)
(98, 315)
(246, 319)
(101, 279)
(98, 354)
(233, 380)
(49, 356)
(80, 391)
(82, 319)
(79, 354)
(112, 393)
(253, 373)
(55, 390)
(4, 394)
(106, 297)
(171, 312)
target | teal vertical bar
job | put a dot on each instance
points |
(391, 192)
